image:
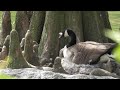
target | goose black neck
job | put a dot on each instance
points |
(72, 39)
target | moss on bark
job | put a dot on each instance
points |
(36, 25)
(15, 57)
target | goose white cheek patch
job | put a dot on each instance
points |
(66, 34)
(60, 34)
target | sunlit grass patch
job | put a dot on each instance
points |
(3, 63)
(4, 76)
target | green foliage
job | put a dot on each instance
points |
(4, 76)
(116, 53)
(115, 36)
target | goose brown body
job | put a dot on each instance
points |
(89, 51)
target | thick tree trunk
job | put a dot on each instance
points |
(21, 23)
(93, 26)
(102, 26)
(49, 45)
(107, 25)
(36, 25)
(6, 25)
(29, 14)
(105, 18)
(15, 59)
(73, 20)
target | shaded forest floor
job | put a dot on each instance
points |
(114, 17)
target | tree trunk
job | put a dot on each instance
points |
(15, 59)
(29, 15)
(102, 26)
(6, 25)
(73, 20)
(49, 45)
(93, 27)
(105, 18)
(21, 23)
(36, 25)
(107, 25)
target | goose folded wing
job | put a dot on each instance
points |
(92, 51)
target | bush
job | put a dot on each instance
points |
(115, 36)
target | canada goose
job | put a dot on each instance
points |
(87, 52)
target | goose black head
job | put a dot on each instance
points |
(66, 33)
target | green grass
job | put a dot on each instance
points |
(4, 76)
(114, 17)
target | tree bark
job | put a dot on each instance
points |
(73, 20)
(102, 25)
(105, 18)
(36, 25)
(107, 25)
(93, 27)
(21, 23)
(49, 45)
(29, 15)
(6, 25)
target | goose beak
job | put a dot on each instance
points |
(60, 35)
